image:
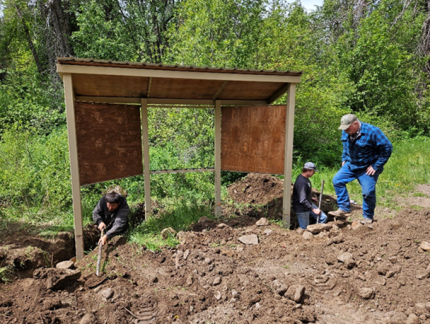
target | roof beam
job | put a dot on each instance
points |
(220, 90)
(148, 73)
(149, 88)
(278, 94)
(155, 101)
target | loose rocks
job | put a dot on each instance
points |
(65, 265)
(263, 222)
(316, 228)
(365, 293)
(249, 239)
(308, 235)
(425, 246)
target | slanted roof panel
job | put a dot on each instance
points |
(126, 81)
(184, 89)
(110, 86)
(249, 90)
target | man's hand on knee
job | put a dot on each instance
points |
(316, 211)
(370, 170)
(102, 226)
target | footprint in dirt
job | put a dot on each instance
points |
(145, 315)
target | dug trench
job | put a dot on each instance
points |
(244, 269)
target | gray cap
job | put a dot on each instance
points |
(347, 120)
(310, 166)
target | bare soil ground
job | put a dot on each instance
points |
(348, 273)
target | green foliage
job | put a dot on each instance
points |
(34, 170)
(179, 217)
(27, 99)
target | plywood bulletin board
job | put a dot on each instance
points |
(109, 141)
(253, 139)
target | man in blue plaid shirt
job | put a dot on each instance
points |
(365, 151)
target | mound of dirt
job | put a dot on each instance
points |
(349, 273)
(261, 195)
(243, 269)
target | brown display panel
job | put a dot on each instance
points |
(253, 139)
(109, 141)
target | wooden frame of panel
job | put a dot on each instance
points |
(66, 71)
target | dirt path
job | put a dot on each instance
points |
(348, 273)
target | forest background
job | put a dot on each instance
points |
(368, 57)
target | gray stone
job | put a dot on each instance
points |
(268, 231)
(299, 293)
(413, 319)
(279, 287)
(217, 281)
(356, 225)
(317, 228)
(308, 235)
(300, 231)
(88, 319)
(189, 281)
(57, 278)
(425, 246)
(393, 270)
(222, 225)
(217, 295)
(165, 233)
(365, 293)
(347, 259)
(398, 318)
(251, 239)
(262, 222)
(186, 254)
(105, 294)
(65, 265)
(423, 274)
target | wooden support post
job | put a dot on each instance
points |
(146, 170)
(288, 157)
(217, 158)
(74, 165)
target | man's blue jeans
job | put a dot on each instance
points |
(368, 188)
(303, 218)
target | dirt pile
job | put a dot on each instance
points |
(244, 270)
(261, 195)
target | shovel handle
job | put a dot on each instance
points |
(99, 259)
(319, 205)
(321, 194)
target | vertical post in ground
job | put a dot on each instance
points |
(74, 165)
(146, 171)
(288, 157)
(217, 158)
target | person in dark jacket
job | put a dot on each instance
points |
(111, 214)
(302, 197)
(365, 151)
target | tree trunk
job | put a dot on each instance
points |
(30, 42)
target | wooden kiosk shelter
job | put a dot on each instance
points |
(107, 104)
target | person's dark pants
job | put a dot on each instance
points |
(368, 188)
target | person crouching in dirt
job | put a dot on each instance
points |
(111, 214)
(302, 197)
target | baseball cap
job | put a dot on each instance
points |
(347, 120)
(310, 166)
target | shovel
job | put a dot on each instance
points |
(99, 259)
(319, 205)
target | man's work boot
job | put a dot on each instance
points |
(366, 221)
(339, 213)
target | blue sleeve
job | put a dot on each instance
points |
(345, 152)
(383, 147)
